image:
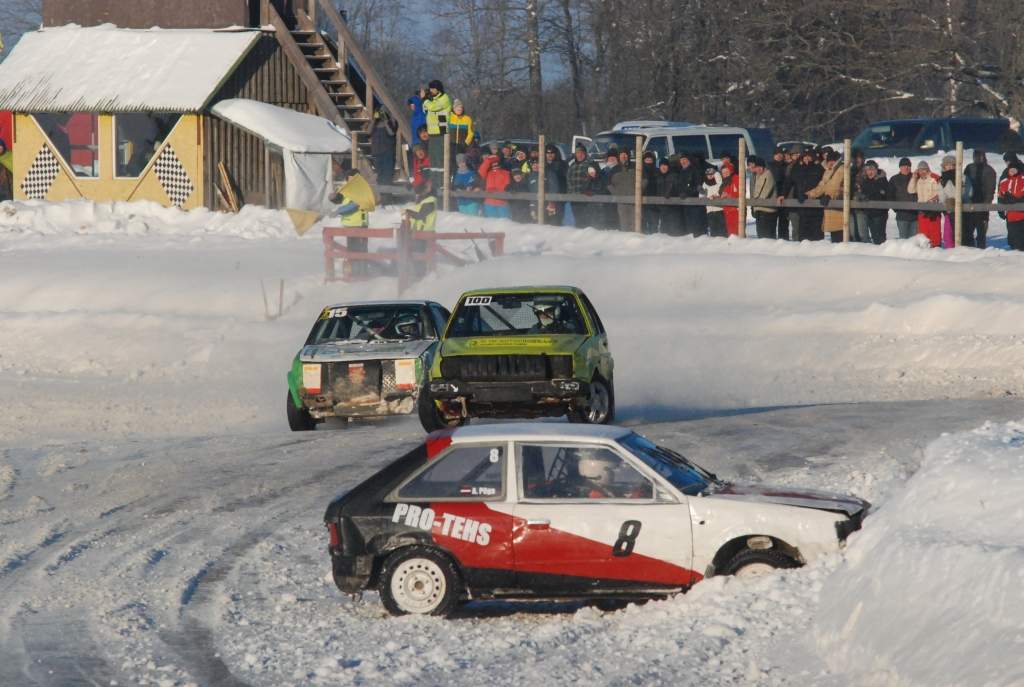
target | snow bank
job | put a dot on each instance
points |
(932, 592)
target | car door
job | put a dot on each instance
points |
(457, 499)
(570, 536)
(604, 361)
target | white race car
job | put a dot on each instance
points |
(537, 510)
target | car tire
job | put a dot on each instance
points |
(430, 414)
(751, 562)
(299, 419)
(604, 393)
(419, 580)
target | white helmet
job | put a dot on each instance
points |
(596, 466)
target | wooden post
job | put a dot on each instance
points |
(958, 208)
(355, 150)
(846, 190)
(267, 202)
(446, 197)
(741, 201)
(369, 100)
(638, 189)
(311, 10)
(541, 210)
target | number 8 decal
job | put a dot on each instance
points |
(628, 533)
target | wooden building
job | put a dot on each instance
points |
(106, 113)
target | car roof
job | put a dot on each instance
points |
(524, 289)
(918, 120)
(355, 304)
(537, 431)
(693, 130)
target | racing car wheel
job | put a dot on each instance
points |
(419, 580)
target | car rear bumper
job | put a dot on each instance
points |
(371, 405)
(351, 574)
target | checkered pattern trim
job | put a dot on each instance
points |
(173, 177)
(41, 174)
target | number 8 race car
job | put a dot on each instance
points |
(564, 511)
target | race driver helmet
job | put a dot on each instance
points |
(546, 313)
(408, 327)
(596, 466)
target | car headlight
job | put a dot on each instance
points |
(405, 373)
(311, 377)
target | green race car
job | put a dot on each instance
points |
(365, 359)
(524, 352)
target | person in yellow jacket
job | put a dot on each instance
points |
(438, 106)
(355, 201)
(460, 125)
(422, 216)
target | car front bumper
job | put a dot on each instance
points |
(549, 391)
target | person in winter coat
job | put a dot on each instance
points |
(575, 180)
(466, 179)
(418, 116)
(667, 219)
(521, 210)
(858, 221)
(763, 188)
(689, 182)
(779, 167)
(496, 180)
(420, 164)
(382, 146)
(712, 189)
(983, 188)
(438, 106)
(925, 186)
(906, 220)
(555, 173)
(612, 168)
(830, 189)
(947, 196)
(591, 214)
(802, 178)
(460, 127)
(624, 184)
(1011, 190)
(730, 189)
(1010, 141)
(873, 186)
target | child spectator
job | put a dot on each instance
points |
(496, 180)
(466, 179)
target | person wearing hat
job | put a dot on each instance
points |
(690, 179)
(712, 190)
(763, 188)
(873, 186)
(460, 126)
(947, 196)
(925, 187)
(829, 189)
(906, 220)
(496, 180)
(522, 182)
(623, 183)
(1011, 191)
(650, 174)
(591, 214)
(575, 180)
(555, 173)
(730, 189)
(438, 106)
(982, 178)
(666, 219)
(805, 176)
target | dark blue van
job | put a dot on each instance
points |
(909, 137)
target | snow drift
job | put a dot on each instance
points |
(932, 592)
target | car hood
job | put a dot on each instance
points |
(356, 351)
(526, 344)
(787, 496)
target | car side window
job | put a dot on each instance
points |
(578, 472)
(691, 145)
(592, 312)
(476, 473)
(659, 146)
(440, 318)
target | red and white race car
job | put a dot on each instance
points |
(541, 510)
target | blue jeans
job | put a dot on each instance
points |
(907, 228)
(496, 211)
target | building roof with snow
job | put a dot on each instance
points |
(295, 131)
(107, 69)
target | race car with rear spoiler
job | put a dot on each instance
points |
(365, 359)
(555, 511)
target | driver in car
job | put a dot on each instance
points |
(547, 322)
(596, 470)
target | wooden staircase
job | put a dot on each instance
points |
(345, 87)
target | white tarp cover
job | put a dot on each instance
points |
(306, 142)
(107, 69)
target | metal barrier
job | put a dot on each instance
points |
(405, 251)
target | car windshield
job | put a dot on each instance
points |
(685, 476)
(517, 313)
(617, 140)
(890, 135)
(368, 324)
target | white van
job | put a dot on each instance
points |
(706, 142)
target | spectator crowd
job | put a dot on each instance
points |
(810, 175)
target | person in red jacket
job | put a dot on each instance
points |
(420, 164)
(730, 189)
(496, 180)
(1011, 190)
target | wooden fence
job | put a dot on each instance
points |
(639, 200)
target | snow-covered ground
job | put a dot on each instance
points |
(160, 525)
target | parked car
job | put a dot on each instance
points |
(705, 142)
(363, 360)
(909, 137)
(543, 510)
(521, 352)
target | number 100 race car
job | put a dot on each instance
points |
(536, 510)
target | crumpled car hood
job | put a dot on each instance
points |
(357, 351)
(789, 496)
(525, 344)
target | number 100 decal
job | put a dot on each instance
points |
(628, 533)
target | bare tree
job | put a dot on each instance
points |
(16, 18)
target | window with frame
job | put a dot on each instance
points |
(137, 137)
(465, 472)
(548, 471)
(75, 137)
(691, 145)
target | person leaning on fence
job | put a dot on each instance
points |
(730, 189)
(712, 190)
(925, 186)
(668, 218)
(555, 173)
(1011, 191)
(591, 214)
(947, 196)
(792, 160)
(355, 201)
(873, 186)
(906, 220)
(575, 179)
(624, 184)
(521, 210)
(805, 176)
(829, 193)
(763, 189)
(496, 180)
(779, 167)
(690, 179)
(983, 189)
(467, 180)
